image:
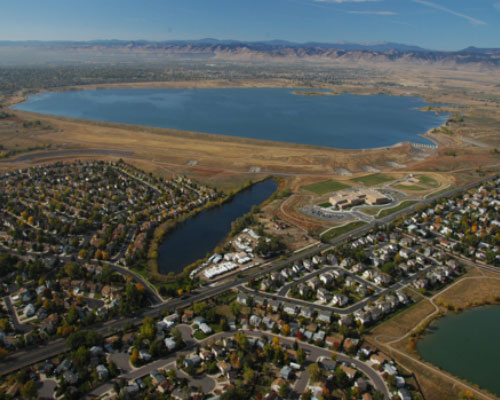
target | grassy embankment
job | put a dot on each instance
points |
(340, 230)
(388, 211)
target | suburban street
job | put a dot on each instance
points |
(28, 356)
(208, 383)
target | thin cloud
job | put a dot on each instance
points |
(372, 12)
(430, 4)
(497, 6)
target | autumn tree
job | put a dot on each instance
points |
(134, 357)
(29, 390)
(314, 372)
(248, 375)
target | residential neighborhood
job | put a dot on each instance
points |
(72, 237)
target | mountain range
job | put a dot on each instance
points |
(273, 50)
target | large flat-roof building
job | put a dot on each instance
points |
(348, 198)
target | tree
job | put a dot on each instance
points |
(241, 339)
(378, 395)
(172, 375)
(134, 357)
(107, 274)
(113, 369)
(307, 395)
(235, 308)
(71, 269)
(284, 390)
(200, 308)
(314, 372)
(82, 253)
(81, 356)
(235, 393)
(341, 378)
(177, 336)
(301, 355)
(72, 315)
(29, 390)
(248, 375)
(285, 330)
(148, 329)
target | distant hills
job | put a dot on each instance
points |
(233, 50)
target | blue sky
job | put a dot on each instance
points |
(435, 24)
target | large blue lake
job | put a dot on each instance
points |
(344, 121)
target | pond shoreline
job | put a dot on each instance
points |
(438, 344)
(160, 236)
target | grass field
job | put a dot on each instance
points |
(325, 205)
(340, 230)
(370, 210)
(325, 187)
(410, 187)
(373, 179)
(389, 211)
(428, 181)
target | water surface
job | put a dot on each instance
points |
(343, 121)
(467, 345)
(194, 238)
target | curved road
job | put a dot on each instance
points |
(25, 357)
(208, 383)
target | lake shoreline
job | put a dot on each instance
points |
(431, 328)
(321, 138)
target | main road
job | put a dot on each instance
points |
(34, 354)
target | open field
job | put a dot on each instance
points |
(374, 179)
(325, 187)
(428, 181)
(414, 188)
(469, 292)
(403, 322)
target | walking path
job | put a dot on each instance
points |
(447, 376)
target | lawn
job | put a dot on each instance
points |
(373, 179)
(410, 187)
(399, 207)
(325, 205)
(428, 181)
(325, 187)
(370, 210)
(340, 230)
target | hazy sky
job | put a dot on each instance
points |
(437, 24)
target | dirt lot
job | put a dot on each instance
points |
(292, 234)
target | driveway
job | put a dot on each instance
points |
(122, 361)
(46, 390)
